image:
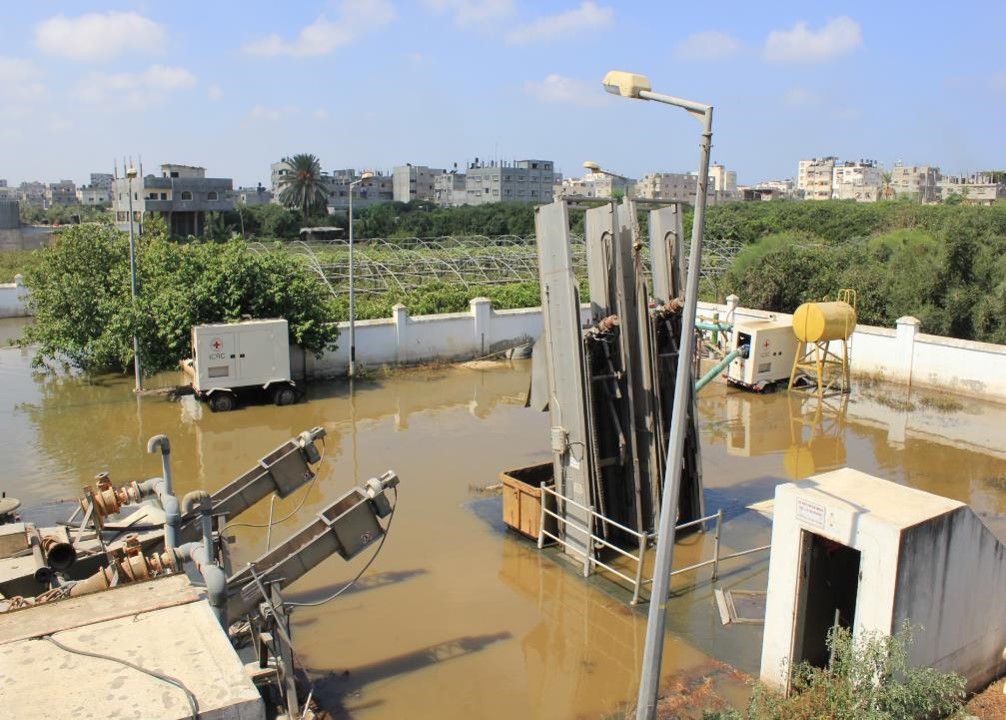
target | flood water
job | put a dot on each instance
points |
(458, 618)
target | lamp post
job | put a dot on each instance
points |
(365, 175)
(638, 86)
(130, 174)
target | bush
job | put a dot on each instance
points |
(869, 678)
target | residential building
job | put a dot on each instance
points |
(975, 189)
(449, 189)
(815, 178)
(919, 182)
(724, 181)
(673, 187)
(32, 194)
(6, 192)
(860, 181)
(781, 188)
(596, 185)
(519, 181)
(102, 180)
(63, 192)
(182, 195)
(257, 195)
(93, 195)
(414, 182)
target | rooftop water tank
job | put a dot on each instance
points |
(824, 321)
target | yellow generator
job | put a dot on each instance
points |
(772, 346)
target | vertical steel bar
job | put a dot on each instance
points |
(716, 544)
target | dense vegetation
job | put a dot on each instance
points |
(869, 678)
(65, 214)
(84, 317)
(945, 265)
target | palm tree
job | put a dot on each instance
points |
(302, 187)
(886, 189)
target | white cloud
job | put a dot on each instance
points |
(558, 89)
(473, 12)
(801, 44)
(134, 90)
(320, 114)
(271, 114)
(99, 36)
(20, 80)
(213, 92)
(708, 45)
(800, 97)
(550, 27)
(354, 18)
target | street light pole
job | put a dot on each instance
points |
(130, 174)
(637, 86)
(352, 285)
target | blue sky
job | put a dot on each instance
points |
(234, 86)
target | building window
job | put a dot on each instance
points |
(211, 195)
(174, 173)
(186, 195)
(164, 196)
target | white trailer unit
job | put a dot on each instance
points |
(248, 354)
(770, 359)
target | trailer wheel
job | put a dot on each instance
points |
(284, 395)
(222, 402)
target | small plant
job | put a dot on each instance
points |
(941, 403)
(892, 402)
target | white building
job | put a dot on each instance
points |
(860, 181)
(976, 189)
(414, 182)
(673, 187)
(919, 182)
(815, 177)
(94, 195)
(519, 181)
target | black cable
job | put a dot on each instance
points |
(352, 582)
(193, 703)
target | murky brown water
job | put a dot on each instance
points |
(458, 618)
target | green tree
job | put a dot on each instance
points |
(302, 187)
(84, 316)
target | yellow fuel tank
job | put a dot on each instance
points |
(824, 321)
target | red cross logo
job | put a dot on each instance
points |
(216, 344)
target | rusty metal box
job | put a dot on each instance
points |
(522, 499)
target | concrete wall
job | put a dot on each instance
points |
(451, 336)
(12, 298)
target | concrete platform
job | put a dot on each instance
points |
(163, 625)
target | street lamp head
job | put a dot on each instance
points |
(626, 84)
(366, 175)
(592, 166)
(131, 173)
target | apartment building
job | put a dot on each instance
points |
(414, 182)
(919, 182)
(94, 195)
(63, 192)
(975, 189)
(31, 194)
(101, 180)
(860, 180)
(182, 195)
(815, 178)
(674, 187)
(519, 181)
(724, 181)
(449, 189)
(257, 195)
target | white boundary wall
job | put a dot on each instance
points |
(12, 298)
(902, 354)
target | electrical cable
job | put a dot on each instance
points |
(189, 695)
(351, 583)
(293, 512)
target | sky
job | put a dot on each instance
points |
(233, 86)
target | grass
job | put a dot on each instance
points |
(941, 403)
(13, 262)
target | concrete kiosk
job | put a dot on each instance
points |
(868, 554)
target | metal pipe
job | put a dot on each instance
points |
(59, 554)
(653, 648)
(43, 573)
(201, 555)
(714, 326)
(161, 442)
(137, 371)
(719, 367)
(201, 499)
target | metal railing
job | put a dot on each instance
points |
(591, 541)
